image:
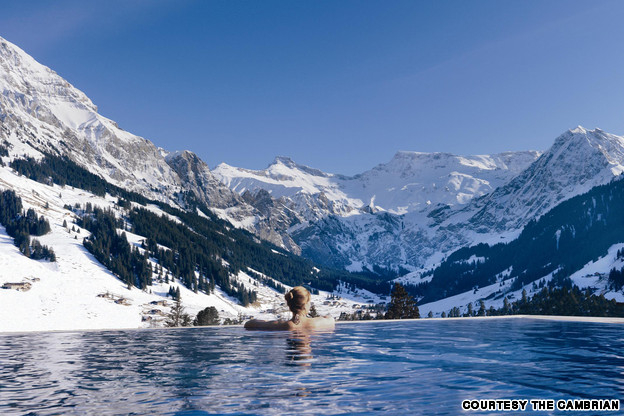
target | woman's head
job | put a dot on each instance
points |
(297, 299)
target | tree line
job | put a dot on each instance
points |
(113, 250)
(550, 301)
(20, 226)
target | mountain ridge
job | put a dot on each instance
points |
(451, 207)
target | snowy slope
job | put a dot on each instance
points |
(77, 292)
(593, 275)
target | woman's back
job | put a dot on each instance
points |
(298, 300)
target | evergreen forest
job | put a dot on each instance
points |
(22, 225)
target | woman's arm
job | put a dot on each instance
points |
(268, 325)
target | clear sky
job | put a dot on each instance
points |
(336, 85)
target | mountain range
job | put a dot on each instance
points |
(409, 212)
(401, 219)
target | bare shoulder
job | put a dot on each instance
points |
(324, 322)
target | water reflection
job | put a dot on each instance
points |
(397, 368)
(299, 349)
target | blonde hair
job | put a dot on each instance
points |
(296, 300)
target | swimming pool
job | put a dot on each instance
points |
(417, 367)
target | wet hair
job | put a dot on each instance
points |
(296, 300)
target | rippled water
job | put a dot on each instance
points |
(423, 367)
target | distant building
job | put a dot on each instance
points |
(22, 286)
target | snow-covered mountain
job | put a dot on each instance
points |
(579, 242)
(411, 181)
(578, 160)
(418, 207)
(343, 221)
(40, 112)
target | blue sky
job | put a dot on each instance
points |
(337, 85)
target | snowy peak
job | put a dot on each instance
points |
(20, 74)
(410, 182)
(579, 160)
(281, 178)
(590, 157)
(580, 143)
(283, 160)
(414, 181)
(285, 165)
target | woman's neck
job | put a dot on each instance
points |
(302, 316)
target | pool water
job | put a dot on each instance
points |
(422, 367)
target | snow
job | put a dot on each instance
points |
(73, 116)
(229, 214)
(408, 181)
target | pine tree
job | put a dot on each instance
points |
(506, 306)
(402, 305)
(208, 316)
(177, 316)
(481, 308)
(470, 311)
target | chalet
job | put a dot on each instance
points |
(22, 286)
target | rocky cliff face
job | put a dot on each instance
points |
(41, 112)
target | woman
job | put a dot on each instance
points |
(298, 301)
